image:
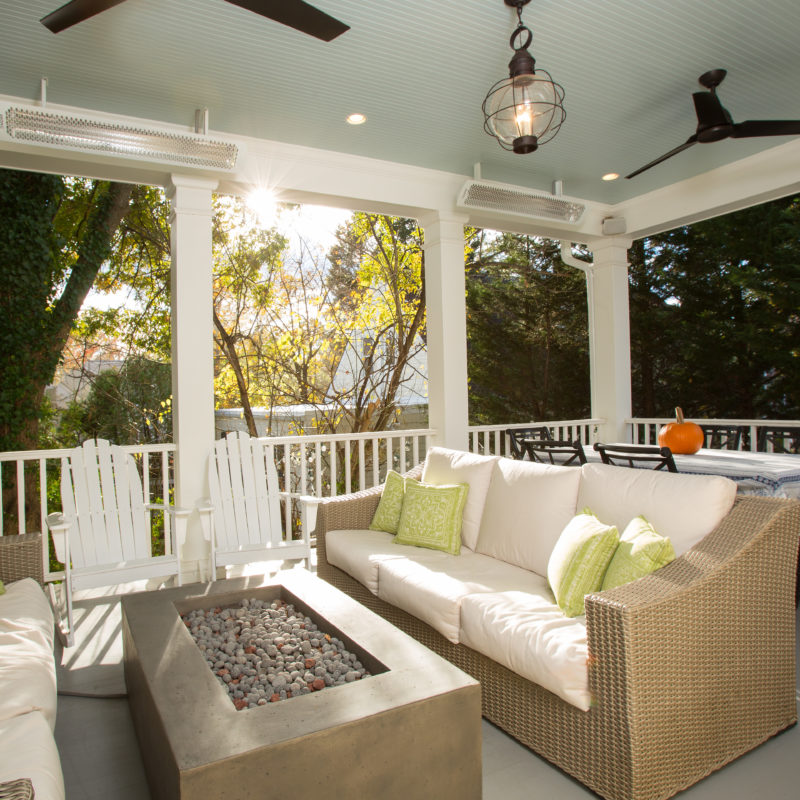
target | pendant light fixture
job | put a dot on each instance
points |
(526, 109)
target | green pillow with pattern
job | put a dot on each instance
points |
(641, 550)
(579, 561)
(431, 516)
(387, 515)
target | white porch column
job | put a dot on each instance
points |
(192, 354)
(609, 337)
(446, 308)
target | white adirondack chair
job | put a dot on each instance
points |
(102, 536)
(242, 517)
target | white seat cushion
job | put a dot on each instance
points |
(430, 584)
(528, 633)
(444, 467)
(684, 508)
(526, 509)
(27, 675)
(24, 606)
(359, 552)
(29, 751)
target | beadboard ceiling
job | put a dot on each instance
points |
(419, 70)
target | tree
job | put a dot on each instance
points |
(714, 316)
(56, 234)
(377, 280)
(526, 331)
(132, 406)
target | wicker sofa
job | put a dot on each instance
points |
(29, 759)
(688, 668)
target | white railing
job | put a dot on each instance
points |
(317, 465)
(644, 430)
(493, 439)
(327, 465)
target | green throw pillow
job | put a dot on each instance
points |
(641, 551)
(2, 588)
(387, 515)
(431, 516)
(579, 560)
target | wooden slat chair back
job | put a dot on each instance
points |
(243, 516)
(103, 533)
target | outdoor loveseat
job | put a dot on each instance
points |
(684, 669)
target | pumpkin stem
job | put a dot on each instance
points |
(679, 415)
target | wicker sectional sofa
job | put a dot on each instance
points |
(28, 754)
(687, 668)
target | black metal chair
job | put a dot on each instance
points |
(779, 440)
(554, 451)
(517, 435)
(723, 437)
(626, 455)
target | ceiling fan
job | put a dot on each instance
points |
(296, 14)
(714, 122)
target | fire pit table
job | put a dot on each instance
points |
(411, 729)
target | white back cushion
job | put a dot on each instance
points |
(444, 467)
(527, 507)
(684, 508)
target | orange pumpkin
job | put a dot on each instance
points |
(681, 436)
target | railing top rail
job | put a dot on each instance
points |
(345, 437)
(35, 455)
(776, 423)
(549, 422)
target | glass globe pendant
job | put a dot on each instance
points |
(526, 109)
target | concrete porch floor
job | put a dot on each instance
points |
(100, 755)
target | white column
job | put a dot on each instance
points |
(609, 337)
(446, 307)
(192, 354)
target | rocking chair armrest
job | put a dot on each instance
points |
(176, 511)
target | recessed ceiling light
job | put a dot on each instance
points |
(356, 119)
(610, 176)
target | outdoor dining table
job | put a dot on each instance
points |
(766, 474)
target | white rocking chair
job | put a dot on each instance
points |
(103, 534)
(242, 517)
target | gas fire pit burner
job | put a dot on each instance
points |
(410, 730)
(265, 652)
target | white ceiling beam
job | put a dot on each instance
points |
(764, 176)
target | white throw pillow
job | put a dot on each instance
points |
(526, 509)
(445, 467)
(684, 508)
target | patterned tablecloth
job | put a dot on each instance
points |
(772, 474)
(766, 474)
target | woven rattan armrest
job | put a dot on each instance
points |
(21, 557)
(19, 789)
(704, 644)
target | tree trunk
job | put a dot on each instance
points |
(228, 346)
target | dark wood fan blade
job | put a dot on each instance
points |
(76, 11)
(297, 14)
(766, 127)
(679, 149)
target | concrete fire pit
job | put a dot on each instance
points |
(411, 730)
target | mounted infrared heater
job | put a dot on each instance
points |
(77, 133)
